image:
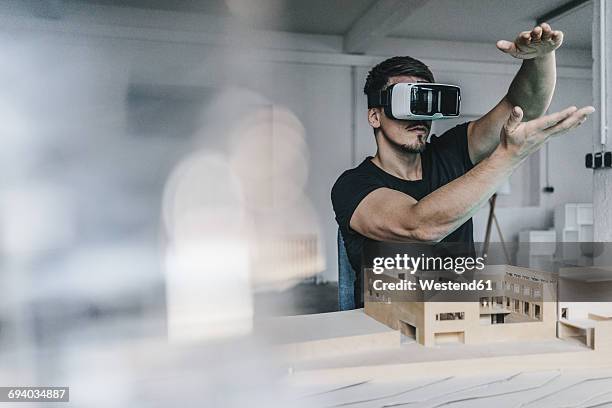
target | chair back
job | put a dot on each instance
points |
(346, 278)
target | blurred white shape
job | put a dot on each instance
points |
(226, 112)
(35, 219)
(108, 272)
(270, 156)
(208, 290)
(207, 271)
(152, 373)
(109, 373)
(200, 194)
(286, 247)
(17, 140)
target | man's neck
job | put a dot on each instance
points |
(403, 165)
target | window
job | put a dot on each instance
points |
(517, 288)
(452, 316)
(537, 313)
(526, 308)
(537, 293)
(401, 276)
(508, 303)
(526, 291)
(517, 305)
(497, 318)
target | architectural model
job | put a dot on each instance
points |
(521, 305)
(520, 325)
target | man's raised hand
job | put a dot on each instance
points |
(531, 44)
(520, 139)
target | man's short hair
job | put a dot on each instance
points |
(378, 77)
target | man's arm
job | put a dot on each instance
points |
(532, 87)
(389, 215)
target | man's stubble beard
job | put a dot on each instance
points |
(406, 148)
(413, 149)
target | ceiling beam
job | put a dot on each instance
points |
(380, 19)
(561, 11)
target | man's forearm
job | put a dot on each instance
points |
(531, 89)
(447, 208)
(534, 85)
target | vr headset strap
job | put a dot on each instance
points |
(377, 99)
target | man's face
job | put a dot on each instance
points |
(407, 135)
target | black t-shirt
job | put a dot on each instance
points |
(444, 159)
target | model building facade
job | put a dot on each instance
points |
(521, 305)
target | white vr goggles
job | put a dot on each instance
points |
(418, 101)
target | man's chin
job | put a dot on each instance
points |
(416, 148)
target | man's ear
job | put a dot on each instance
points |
(374, 117)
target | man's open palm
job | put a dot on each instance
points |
(523, 138)
(531, 44)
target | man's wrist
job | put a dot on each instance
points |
(543, 59)
(505, 157)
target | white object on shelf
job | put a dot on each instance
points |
(585, 233)
(538, 236)
(565, 216)
(584, 214)
(539, 262)
(569, 235)
(538, 242)
(574, 222)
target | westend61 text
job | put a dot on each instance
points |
(430, 284)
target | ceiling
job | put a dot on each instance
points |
(333, 17)
(491, 20)
(577, 27)
(465, 20)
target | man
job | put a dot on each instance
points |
(414, 191)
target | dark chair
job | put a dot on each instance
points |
(346, 278)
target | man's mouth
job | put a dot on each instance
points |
(418, 128)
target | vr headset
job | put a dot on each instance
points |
(418, 101)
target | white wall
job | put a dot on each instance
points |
(304, 73)
(602, 178)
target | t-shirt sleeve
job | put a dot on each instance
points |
(452, 147)
(348, 191)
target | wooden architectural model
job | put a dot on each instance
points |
(520, 305)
